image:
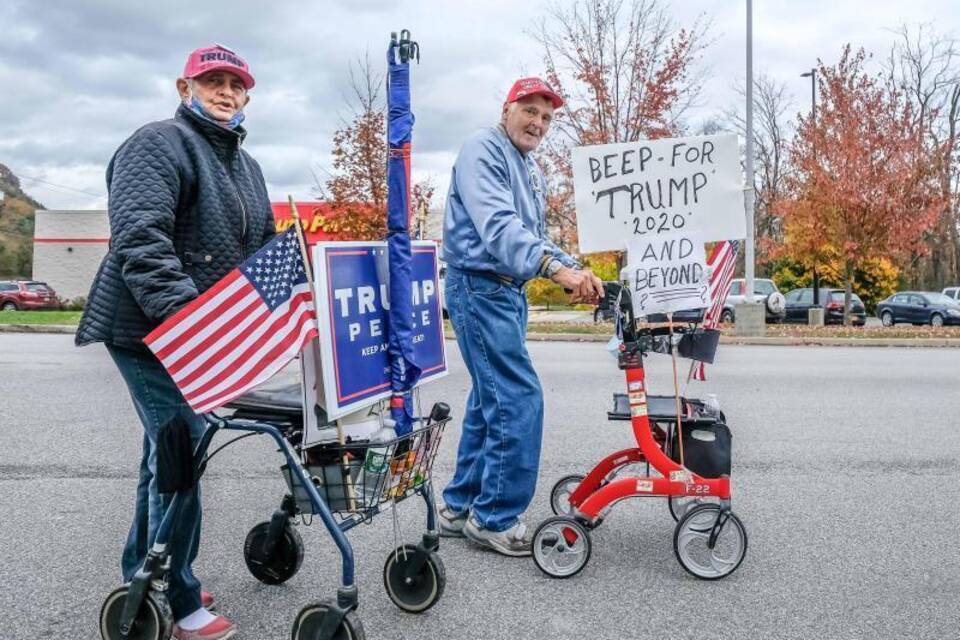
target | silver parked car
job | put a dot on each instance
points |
(763, 290)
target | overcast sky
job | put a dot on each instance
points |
(77, 78)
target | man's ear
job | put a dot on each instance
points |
(246, 102)
(183, 88)
(503, 114)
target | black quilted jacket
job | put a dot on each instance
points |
(186, 206)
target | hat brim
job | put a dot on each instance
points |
(556, 100)
(246, 78)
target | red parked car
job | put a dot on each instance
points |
(21, 295)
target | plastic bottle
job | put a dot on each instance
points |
(711, 406)
(376, 464)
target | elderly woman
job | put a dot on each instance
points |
(186, 206)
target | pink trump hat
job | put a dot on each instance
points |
(217, 57)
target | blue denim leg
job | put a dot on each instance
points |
(157, 401)
(489, 319)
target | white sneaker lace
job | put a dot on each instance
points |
(518, 532)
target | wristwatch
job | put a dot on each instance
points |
(552, 267)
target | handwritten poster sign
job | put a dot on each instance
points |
(352, 307)
(650, 188)
(667, 273)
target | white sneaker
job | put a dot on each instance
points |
(512, 542)
(451, 523)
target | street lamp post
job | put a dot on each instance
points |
(749, 257)
(812, 74)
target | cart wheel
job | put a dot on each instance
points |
(283, 563)
(423, 590)
(691, 542)
(680, 505)
(561, 547)
(154, 620)
(560, 494)
(308, 622)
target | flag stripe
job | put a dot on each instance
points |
(220, 315)
(268, 334)
(266, 367)
(171, 327)
(269, 328)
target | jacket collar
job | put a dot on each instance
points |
(224, 141)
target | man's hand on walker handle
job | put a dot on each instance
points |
(581, 284)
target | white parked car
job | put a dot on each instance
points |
(764, 290)
(953, 293)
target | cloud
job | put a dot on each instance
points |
(79, 78)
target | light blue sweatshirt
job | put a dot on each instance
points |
(494, 219)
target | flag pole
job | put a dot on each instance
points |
(345, 464)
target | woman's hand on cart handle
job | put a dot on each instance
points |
(581, 283)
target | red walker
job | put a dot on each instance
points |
(709, 541)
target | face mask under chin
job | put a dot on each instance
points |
(194, 105)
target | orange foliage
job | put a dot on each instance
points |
(863, 178)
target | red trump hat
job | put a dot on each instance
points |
(533, 86)
(217, 57)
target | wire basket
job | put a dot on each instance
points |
(357, 478)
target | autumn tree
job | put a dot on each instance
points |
(356, 183)
(863, 180)
(925, 65)
(625, 70)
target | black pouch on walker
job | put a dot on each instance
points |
(706, 448)
(175, 468)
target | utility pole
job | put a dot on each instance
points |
(750, 195)
(812, 74)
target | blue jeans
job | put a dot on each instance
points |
(157, 400)
(499, 454)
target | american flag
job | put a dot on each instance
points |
(722, 261)
(242, 330)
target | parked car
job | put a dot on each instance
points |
(21, 295)
(763, 289)
(952, 292)
(799, 302)
(918, 307)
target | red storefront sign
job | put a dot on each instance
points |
(313, 214)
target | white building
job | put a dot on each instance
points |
(67, 249)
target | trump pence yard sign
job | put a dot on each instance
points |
(352, 308)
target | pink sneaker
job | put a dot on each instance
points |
(207, 601)
(219, 629)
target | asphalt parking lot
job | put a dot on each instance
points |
(845, 474)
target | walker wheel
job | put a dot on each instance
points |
(154, 620)
(691, 542)
(309, 620)
(561, 547)
(560, 494)
(282, 564)
(417, 593)
(680, 505)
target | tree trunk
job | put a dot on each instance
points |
(848, 291)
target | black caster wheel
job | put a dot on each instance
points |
(282, 564)
(560, 494)
(692, 539)
(680, 505)
(307, 624)
(418, 593)
(561, 547)
(154, 620)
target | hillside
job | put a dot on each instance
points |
(16, 227)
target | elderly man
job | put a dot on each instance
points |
(494, 241)
(186, 205)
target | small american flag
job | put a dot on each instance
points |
(722, 261)
(242, 330)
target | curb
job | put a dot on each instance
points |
(777, 341)
(38, 328)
